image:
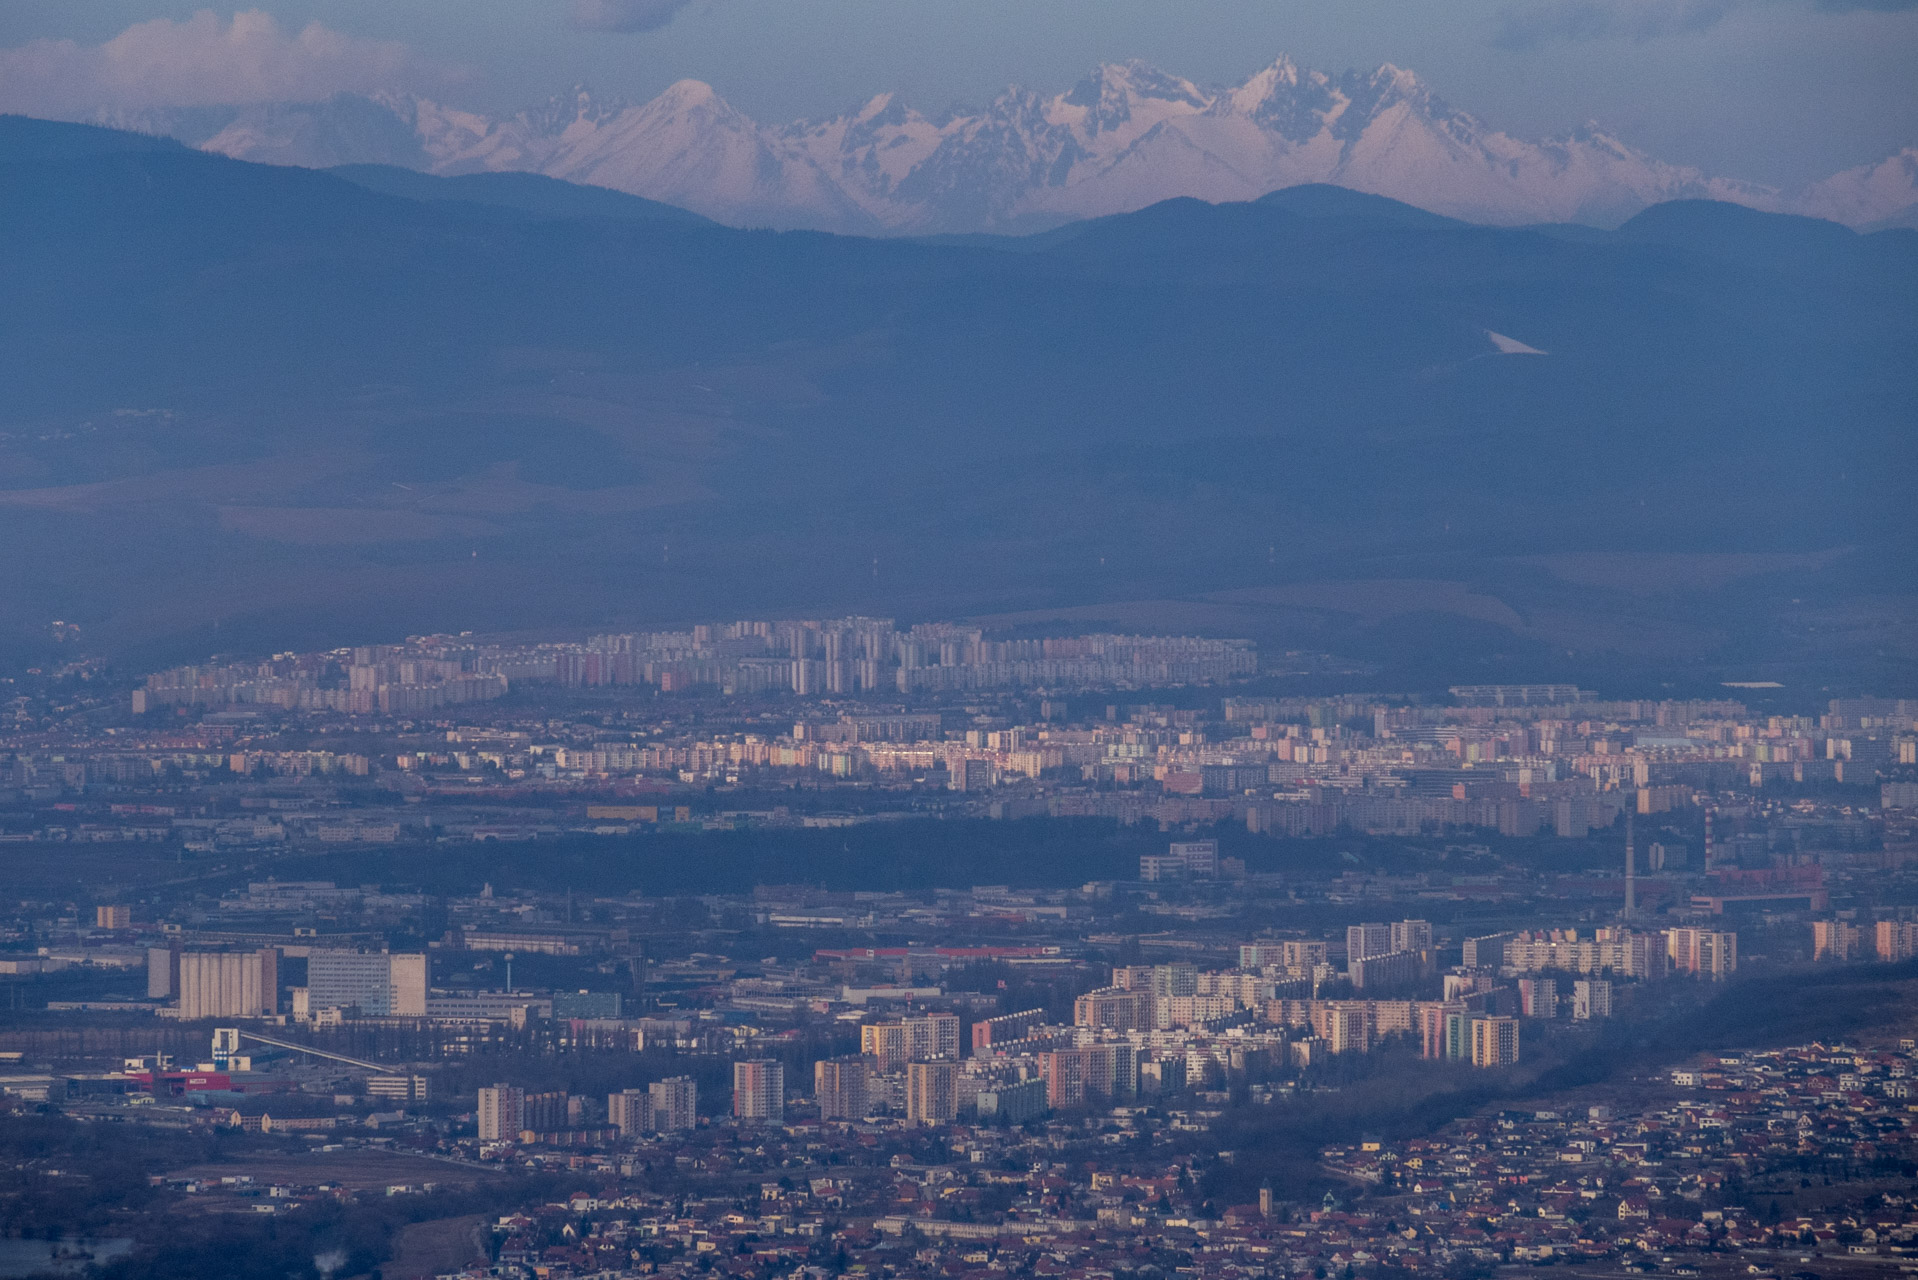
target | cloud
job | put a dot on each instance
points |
(202, 61)
(625, 15)
(1536, 23)
(1531, 26)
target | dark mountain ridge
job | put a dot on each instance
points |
(316, 407)
(518, 193)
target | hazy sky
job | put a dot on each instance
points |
(1778, 91)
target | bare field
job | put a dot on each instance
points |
(343, 526)
(1375, 600)
(1657, 573)
(1144, 616)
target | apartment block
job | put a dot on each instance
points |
(502, 1113)
(1390, 968)
(630, 1111)
(1431, 1027)
(1007, 1026)
(1487, 952)
(1347, 1029)
(894, 1044)
(1099, 1072)
(1895, 940)
(1261, 955)
(1412, 935)
(1702, 953)
(1116, 1009)
(1363, 941)
(759, 1091)
(1459, 1036)
(840, 1087)
(1180, 978)
(1494, 1042)
(1836, 940)
(1013, 1103)
(1304, 956)
(936, 1035)
(675, 1103)
(932, 1092)
(1621, 951)
(550, 1112)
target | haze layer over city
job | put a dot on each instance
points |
(717, 640)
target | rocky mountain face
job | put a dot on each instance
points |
(1124, 138)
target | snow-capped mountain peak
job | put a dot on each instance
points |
(1128, 135)
(1244, 99)
(1871, 195)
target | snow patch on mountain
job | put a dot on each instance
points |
(1510, 346)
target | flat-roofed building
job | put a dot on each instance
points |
(229, 984)
(1013, 1103)
(1836, 940)
(1494, 1042)
(1702, 953)
(894, 1044)
(1362, 941)
(163, 973)
(1098, 1072)
(1007, 1026)
(501, 1113)
(1895, 940)
(1116, 1009)
(1412, 935)
(932, 1092)
(839, 1085)
(1261, 955)
(1200, 858)
(759, 1091)
(675, 1103)
(630, 1111)
(1388, 969)
(378, 984)
(1591, 999)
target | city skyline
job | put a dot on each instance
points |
(1106, 967)
(958, 640)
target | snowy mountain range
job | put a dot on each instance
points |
(1126, 137)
